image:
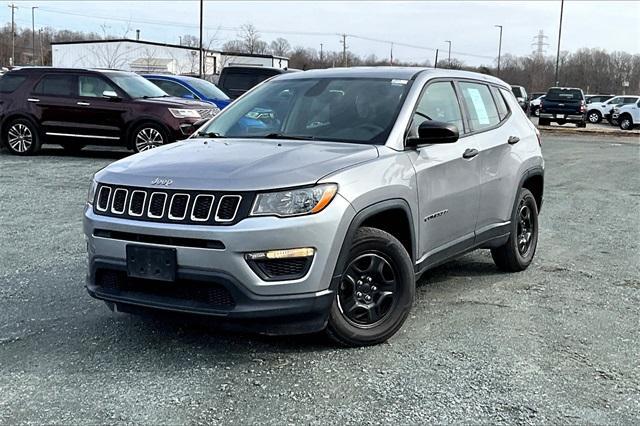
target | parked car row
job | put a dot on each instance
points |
(604, 109)
(77, 107)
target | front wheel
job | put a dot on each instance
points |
(535, 111)
(21, 137)
(625, 122)
(517, 253)
(376, 291)
(148, 136)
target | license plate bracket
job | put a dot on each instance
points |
(151, 263)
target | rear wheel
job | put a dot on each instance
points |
(148, 136)
(21, 137)
(535, 111)
(376, 291)
(594, 116)
(626, 123)
(581, 124)
(517, 253)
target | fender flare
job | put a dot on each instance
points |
(534, 171)
(358, 220)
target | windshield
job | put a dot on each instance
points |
(564, 95)
(136, 86)
(209, 90)
(360, 110)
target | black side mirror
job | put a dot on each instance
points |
(434, 132)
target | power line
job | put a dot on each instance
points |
(264, 31)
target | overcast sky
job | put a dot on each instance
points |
(612, 25)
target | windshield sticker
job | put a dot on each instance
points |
(399, 82)
(478, 105)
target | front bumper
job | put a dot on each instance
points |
(225, 269)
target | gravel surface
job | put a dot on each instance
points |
(558, 343)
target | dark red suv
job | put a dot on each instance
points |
(76, 107)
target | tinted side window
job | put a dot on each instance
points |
(628, 100)
(440, 103)
(56, 85)
(482, 110)
(9, 83)
(92, 86)
(501, 104)
(241, 81)
(172, 88)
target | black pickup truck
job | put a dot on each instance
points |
(563, 105)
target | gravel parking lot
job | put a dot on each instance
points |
(558, 343)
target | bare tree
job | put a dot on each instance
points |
(250, 38)
(280, 47)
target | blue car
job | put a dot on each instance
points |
(196, 88)
(190, 88)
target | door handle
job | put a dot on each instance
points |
(33, 100)
(470, 153)
(83, 103)
(513, 140)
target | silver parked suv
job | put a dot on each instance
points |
(315, 201)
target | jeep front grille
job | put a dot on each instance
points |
(172, 206)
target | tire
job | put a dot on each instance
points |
(543, 121)
(535, 111)
(581, 124)
(148, 136)
(517, 253)
(72, 148)
(625, 122)
(376, 292)
(594, 116)
(21, 137)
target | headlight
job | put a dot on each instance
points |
(91, 195)
(294, 202)
(184, 113)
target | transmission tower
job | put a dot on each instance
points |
(540, 43)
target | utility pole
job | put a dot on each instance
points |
(436, 62)
(40, 42)
(13, 35)
(344, 50)
(321, 57)
(33, 34)
(201, 10)
(449, 41)
(559, 36)
(499, 47)
(391, 55)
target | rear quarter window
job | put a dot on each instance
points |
(9, 83)
(57, 85)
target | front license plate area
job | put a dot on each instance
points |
(151, 263)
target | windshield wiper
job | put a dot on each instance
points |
(209, 135)
(283, 136)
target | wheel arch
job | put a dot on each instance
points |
(15, 116)
(533, 180)
(377, 215)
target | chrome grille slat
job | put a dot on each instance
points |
(171, 205)
(105, 192)
(119, 203)
(153, 204)
(134, 210)
(180, 211)
(225, 216)
(200, 206)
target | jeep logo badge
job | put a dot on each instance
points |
(161, 181)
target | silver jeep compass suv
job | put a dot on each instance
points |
(315, 201)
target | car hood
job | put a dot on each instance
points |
(237, 164)
(175, 102)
